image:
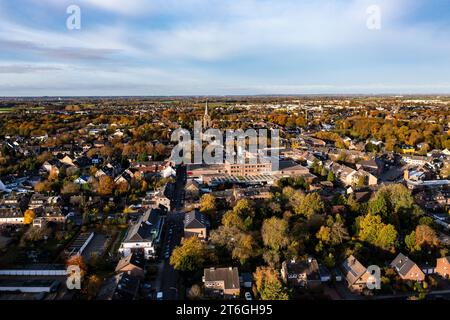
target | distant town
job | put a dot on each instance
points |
(93, 205)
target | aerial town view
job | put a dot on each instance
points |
(194, 151)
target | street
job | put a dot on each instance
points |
(167, 277)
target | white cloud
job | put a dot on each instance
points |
(186, 55)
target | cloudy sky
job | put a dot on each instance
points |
(215, 47)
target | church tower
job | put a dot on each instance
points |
(206, 119)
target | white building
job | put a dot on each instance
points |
(416, 160)
(168, 172)
(144, 236)
(11, 216)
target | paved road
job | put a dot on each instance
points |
(96, 246)
(167, 277)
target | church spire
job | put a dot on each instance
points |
(206, 118)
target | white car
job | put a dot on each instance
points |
(248, 296)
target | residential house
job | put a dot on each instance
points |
(149, 168)
(407, 269)
(407, 149)
(290, 168)
(12, 207)
(310, 159)
(127, 287)
(365, 176)
(133, 264)
(39, 200)
(125, 177)
(221, 282)
(99, 173)
(192, 190)
(68, 161)
(443, 267)
(10, 215)
(168, 172)
(51, 213)
(303, 274)
(195, 224)
(82, 162)
(52, 165)
(144, 236)
(416, 160)
(14, 200)
(163, 196)
(348, 176)
(82, 180)
(343, 173)
(356, 274)
(115, 168)
(373, 166)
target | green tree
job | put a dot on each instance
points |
(268, 284)
(29, 216)
(324, 234)
(274, 233)
(425, 235)
(241, 245)
(241, 216)
(379, 205)
(374, 231)
(338, 233)
(190, 256)
(353, 204)
(410, 242)
(308, 205)
(331, 177)
(208, 205)
(105, 185)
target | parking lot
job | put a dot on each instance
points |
(95, 247)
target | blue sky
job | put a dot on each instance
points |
(220, 47)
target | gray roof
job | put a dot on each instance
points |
(291, 165)
(133, 259)
(147, 228)
(194, 219)
(353, 269)
(310, 268)
(402, 264)
(10, 213)
(127, 287)
(230, 276)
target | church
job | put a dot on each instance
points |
(206, 118)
